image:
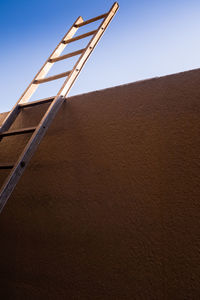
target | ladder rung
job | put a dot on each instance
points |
(6, 166)
(50, 78)
(79, 37)
(52, 60)
(18, 131)
(91, 20)
(38, 102)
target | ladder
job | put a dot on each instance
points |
(37, 132)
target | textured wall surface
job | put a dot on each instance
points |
(109, 207)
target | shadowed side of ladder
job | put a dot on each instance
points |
(29, 150)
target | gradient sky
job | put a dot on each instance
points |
(147, 38)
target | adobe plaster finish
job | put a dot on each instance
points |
(109, 207)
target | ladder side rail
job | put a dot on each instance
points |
(28, 151)
(10, 118)
(91, 45)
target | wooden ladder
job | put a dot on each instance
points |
(38, 131)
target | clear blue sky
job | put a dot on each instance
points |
(147, 38)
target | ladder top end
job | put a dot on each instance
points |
(114, 8)
(78, 21)
(116, 4)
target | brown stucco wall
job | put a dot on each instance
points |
(109, 207)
